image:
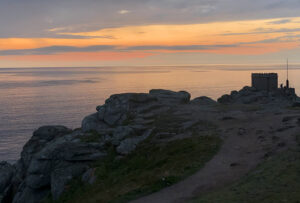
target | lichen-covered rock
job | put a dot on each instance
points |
(39, 140)
(7, 171)
(49, 159)
(63, 175)
(121, 109)
(72, 151)
(128, 145)
(170, 97)
(120, 134)
(92, 123)
(29, 195)
(55, 154)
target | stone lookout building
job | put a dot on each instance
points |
(265, 81)
(269, 82)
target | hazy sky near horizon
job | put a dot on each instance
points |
(148, 32)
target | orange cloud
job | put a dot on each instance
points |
(188, 34)
(256, 49)
(94, 56)
(250, 38)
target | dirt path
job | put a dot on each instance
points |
(246, 143)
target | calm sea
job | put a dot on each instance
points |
(32, 97)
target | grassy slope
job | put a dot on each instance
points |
(275, 180)
(150, 168)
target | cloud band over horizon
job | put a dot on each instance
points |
(163, 31)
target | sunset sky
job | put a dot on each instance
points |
(148, 32)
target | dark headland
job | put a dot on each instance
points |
(163, 147)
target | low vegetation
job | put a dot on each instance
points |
(239, 107)
(150, 168)
(92, 136)
(171, 123)
(275, 180)
(295, 108)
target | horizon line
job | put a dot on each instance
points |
(181, 65)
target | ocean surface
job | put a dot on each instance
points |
(32, 97)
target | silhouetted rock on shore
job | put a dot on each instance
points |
(136, 108)
(55, 154)
(203, 101)
(169, 97)
(51, 158)
(7, 172)
(249, 95)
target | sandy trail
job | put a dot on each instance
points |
(247, 141)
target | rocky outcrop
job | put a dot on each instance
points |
(169, 97)
(55, 154)
(122, 109)
(7, 172)
(49, 160)
(249, 95)
(203, 101)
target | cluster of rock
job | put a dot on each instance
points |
(55, 154)
(250, 95)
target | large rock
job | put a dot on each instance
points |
(39, 140)
(121, 109)
(249, 95)
(169, 97)
(55, 154)
(120, 134)
(29, 195)
(6, 173)
(245, 91)
(225, 99)
(32, 175)
(62, 176)
(92, 123)
(51, 157)
(203, 101)
(128, 145)
(72, 151)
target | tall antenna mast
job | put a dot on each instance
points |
(287, 74)
(287, 69)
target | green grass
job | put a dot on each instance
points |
(92, 136)
(298, 139)
(275, 180)
(150, 168)
(239, 107)
(170, 123)
(129, 119)
(295, 108)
